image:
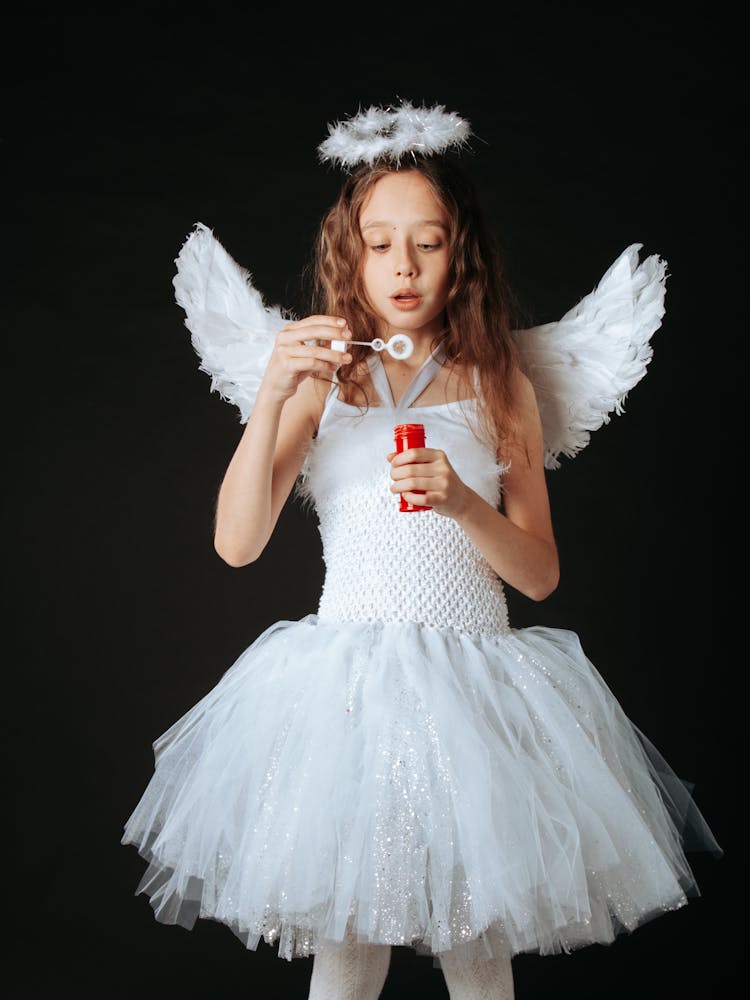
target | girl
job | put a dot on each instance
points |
(403, 767)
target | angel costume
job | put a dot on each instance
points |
(403, 764)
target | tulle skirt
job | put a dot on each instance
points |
(415, 786)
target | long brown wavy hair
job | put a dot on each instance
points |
(480, 308)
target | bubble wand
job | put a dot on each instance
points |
(400, 346)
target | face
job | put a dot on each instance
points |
(406, 260)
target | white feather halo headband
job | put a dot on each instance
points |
(392, 133)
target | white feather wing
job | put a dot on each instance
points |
(232, 330)
(583, 365)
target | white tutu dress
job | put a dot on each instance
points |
(404, 764)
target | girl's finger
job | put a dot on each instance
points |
(422, 498)
(412, 455)
(312, 337)
(311, 334)
(321, 353)
(312, 365)
(336, 322)
(415, 469)
(420, 483)
(315, 327)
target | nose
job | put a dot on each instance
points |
(406, 267)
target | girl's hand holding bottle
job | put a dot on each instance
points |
(428, 469)
(293, 360)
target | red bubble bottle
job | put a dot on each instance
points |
(409, 436)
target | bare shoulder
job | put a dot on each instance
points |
(526, 437)
(526, 406)
(523, 390)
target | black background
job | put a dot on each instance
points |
(594, 131)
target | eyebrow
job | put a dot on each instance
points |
(422, 222)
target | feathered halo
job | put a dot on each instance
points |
(392, 133)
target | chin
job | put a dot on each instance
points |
(406, 321)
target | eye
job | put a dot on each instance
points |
(428, 246)
(380, 247)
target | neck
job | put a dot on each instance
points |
(424, 345)
(410, 366)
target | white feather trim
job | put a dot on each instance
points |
(233, 331)
(365, 440)
(583, 365)
(392, 133)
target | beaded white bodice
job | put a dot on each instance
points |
(383, 564)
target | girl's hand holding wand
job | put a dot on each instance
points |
(294, 359)
(429, 469)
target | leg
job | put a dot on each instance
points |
(477, 978)
(349, 971)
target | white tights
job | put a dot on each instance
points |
(476, 978)
(349, 971)
(357, 971)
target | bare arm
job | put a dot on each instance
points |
(518, 541)
(276, 438)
